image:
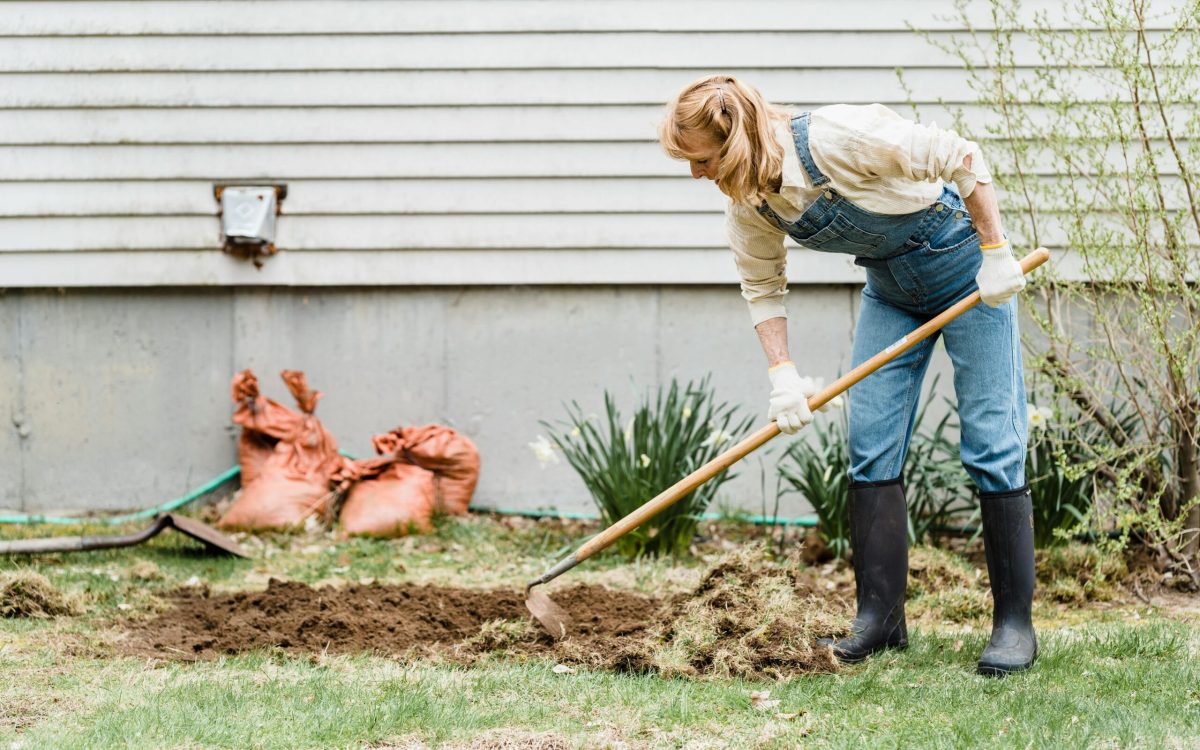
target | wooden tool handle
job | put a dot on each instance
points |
(675, 492)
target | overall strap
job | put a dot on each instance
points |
(800, 133)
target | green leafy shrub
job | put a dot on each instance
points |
(1093, 136)
(625, 463)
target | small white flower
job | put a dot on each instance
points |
(645, 460)
(760, 700)
(716, 438)
(1039, 416)
(576, 432)
(543, 450)
(687, 412)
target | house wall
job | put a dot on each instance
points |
(479, 224)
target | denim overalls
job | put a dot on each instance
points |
(917, 265)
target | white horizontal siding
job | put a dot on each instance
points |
(511, 88)
(417, 124)
(391, 197)
(679, 194)
(573, 51)
(456, 141)
(425, 268)
(563, 231)
(373, 160)
(410, 17)
(423, 232)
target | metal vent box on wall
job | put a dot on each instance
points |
(248, 215)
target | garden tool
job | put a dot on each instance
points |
(212, 539)
(555, 619)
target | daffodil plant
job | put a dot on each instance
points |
(625, 462)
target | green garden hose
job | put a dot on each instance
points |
(235, 471)
(166, 507)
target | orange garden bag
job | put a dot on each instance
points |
(450, 455)
(389, 498)
(288, 460)
(420, 470)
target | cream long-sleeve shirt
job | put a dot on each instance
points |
(873, 157)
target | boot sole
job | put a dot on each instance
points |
(995, 670)
(858, 658)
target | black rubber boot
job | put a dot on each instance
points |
(1008, 541)
(879, 543)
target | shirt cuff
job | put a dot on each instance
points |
(766, 309)
(965, 179)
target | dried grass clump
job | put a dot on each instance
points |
(516, 739)
(492, 739)
(28, 594)
(932, 570)
(499, 635)
(144, 570)
(1077, 573)
(945, 587)
(747, 617)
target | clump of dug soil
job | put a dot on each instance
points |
(944, 586)
(30, 594)
(747, 617)
(1077, 573)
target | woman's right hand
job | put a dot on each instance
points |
(789, 398)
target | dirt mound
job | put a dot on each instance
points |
(395, 619)
(29, 594)
(747, 617)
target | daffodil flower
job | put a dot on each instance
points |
(543, 450)
(1039, 416)
(716, 438)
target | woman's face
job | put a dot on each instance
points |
(706, 155)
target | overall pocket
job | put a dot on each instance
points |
(841, 236)
(958, 230)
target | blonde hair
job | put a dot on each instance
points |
(734, 115)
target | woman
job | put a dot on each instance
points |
(915, 206)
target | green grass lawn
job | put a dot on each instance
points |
(1125, 675)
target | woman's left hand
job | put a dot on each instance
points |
(1000, 276)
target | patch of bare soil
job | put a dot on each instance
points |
(746, 617)
(382, 619)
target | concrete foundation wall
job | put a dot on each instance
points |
(118, 399)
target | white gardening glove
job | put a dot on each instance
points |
(1000, 276)
(789, 398)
